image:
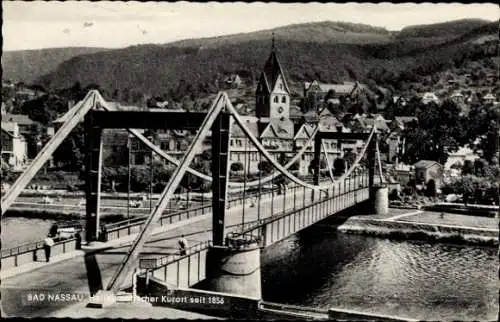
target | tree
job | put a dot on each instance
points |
(431, 188)
(265, 166)
(350, 157)
(480, 167)
(237, 166)
(468, 167)
(314, 164)
(339, 165)
(440, 130)
(483, 130)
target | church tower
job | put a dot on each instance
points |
(272, 95)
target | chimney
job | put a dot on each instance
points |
(71, 103)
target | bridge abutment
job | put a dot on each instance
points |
(235, 268)
(380, 199)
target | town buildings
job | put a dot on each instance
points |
(14, 146)
(427, 171)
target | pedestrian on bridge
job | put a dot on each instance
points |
(183, 245)
(48, 243)
(54, 229)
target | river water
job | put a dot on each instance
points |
(323, 268)
(19, 230)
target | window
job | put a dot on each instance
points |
(276, 99)
(231, 142)
(283, 99)
(281, 86)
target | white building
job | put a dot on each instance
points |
(430, 97)
(14, 147)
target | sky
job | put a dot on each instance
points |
(34, 25)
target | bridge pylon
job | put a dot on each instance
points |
(235, 267)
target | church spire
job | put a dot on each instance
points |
(273, 45)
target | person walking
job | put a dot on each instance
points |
(78, 237)
(53, 230)
(48, 243)
(183, 245)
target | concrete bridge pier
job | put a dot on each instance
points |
(380, 199)
(235, 268)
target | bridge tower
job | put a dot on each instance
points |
(233, 264)
(379, 196)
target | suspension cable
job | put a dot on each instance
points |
(379, 162)
(327, 162)
(245, 167)
(260, 185)
(104, 105)
(278, 166)
(260, 148)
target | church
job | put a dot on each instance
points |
(274, 128)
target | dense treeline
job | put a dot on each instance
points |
(443, 128)
(156, 70)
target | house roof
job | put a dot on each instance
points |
(232, 78)
(340, 89)
(405, 119)
(9, 126)
(295, 111)
(303, 131)
(425, 164)
(251, 123)
(20, 119)
(279, 128)
(368, 122)
(311, 116)
(329, 123)
(7, 132)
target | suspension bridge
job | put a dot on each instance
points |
(229, 229)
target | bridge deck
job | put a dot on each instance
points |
(71, 275)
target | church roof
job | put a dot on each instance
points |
(272, 70)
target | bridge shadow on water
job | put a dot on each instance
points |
(302, 264)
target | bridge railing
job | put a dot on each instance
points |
(179, 270)
(33, 252)
(335, 201)
(184, 270)
(134, 225)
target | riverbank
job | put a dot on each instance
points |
(429, 226)
(61, 214)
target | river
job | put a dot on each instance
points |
(19, 230)
(323, 268)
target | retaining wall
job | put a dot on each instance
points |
(422, 231)
(211, 303)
